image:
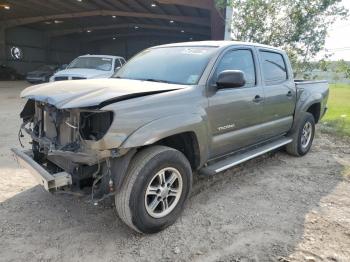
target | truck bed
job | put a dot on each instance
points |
(303, 83)
(318, 90)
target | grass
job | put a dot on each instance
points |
(338, 114)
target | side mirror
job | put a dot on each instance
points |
(117, 68)
(230, 79)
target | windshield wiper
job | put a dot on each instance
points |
(150, 80)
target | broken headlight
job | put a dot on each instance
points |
(94, 125)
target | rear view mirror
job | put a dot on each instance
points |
(230, 79)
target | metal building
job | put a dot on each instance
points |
(36, 32)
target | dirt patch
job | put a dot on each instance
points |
(274, 208)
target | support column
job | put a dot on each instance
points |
(47, 48)
(3, 55)
(217, 22)
(228, 25)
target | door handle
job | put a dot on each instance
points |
(257, 99)
(289, 94)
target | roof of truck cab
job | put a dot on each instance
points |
(219, 44)
(104, 56)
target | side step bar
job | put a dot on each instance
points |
(239, 158)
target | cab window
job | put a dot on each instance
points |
(117, 64)
(122, 61)
(242, 60)
(273, 68)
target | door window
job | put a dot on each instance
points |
(122, 61)
(273, 67)
(238, 60)
(117, 64)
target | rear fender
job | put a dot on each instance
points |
(305, 101)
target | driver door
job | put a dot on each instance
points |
(234, 114)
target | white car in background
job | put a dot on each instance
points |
(90, 66)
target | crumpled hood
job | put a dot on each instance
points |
(87, 93)
(83, 72)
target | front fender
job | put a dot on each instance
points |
(168, 126)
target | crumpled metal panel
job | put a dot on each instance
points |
(87, 93)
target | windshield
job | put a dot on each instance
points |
(179, 65)
(98, 63)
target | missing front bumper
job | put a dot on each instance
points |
(51, 182)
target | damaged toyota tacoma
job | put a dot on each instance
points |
(171, 111)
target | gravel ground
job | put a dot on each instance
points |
(274, 208)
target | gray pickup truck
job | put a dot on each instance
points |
(171, 111)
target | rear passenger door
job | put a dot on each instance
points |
(280, 94)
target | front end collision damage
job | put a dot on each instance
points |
(56, 131)
(81, 139)
(68, 148)
(50, 182)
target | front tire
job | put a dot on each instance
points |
(303, 136)
(155, 189)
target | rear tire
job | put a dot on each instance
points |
(303, 136)
(155, 189)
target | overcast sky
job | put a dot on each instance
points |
(338, 40)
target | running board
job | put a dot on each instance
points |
(239, 158)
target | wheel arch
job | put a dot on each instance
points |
(186, 133)
(186, 143)
(315, 110)
(307, 103)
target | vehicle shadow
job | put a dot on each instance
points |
(255, 211)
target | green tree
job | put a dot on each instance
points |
(343, 68)
(324, 65)
(298, 26)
